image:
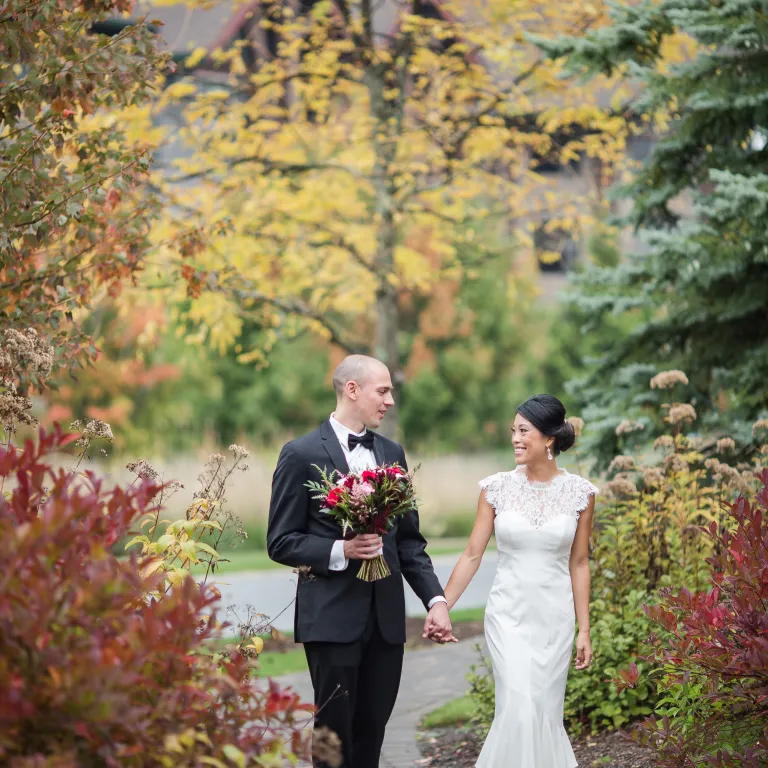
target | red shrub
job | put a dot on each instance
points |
(91, 673)
(714, 655)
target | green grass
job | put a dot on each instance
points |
(274, 663)
(467, 614)
(244, 560)
(241, 560)
(455, 712)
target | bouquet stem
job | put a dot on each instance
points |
(373, 570)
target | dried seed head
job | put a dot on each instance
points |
(15, 410)
(726, 445)
(98, 428)
(622, 463)
(25, 352)
(326, 747)
(239, 451)
(652, 477)
(143, 469)
(626, 427)
(668, 379)
(620, 487)
(681, 412)
(674, 463)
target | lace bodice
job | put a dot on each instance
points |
(538, 503)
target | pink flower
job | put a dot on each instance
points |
(360, 490)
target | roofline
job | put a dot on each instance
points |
(446, 15)
(232, 28)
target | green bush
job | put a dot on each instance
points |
(711, 654)
(482, 694)
(592, 701)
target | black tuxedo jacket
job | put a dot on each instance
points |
(333, 606)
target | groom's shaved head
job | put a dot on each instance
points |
(363, 391)
(355, 368)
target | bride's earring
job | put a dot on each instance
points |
(549, 454)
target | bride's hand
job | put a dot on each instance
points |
(583, 651)
(437, 626)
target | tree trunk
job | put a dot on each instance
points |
(386, 346)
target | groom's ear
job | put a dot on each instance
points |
(351, 389)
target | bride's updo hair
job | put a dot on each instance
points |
(547, 414)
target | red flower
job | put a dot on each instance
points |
(349, 481)
(333, 498)
(395, 472)
(381, 521)
(369, 476)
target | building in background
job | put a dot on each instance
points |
(186, 29)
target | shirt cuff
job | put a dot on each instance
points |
(338, 562)
(436, 599)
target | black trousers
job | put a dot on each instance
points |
(356, 686)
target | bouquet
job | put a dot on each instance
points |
(367, 502)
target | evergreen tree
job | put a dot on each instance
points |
(697, 297)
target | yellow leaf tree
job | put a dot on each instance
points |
(356, 151)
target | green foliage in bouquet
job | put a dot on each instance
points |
(366, 503)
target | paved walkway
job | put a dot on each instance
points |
(430, 678)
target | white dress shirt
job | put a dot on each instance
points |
(358, 460)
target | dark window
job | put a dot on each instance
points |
(547, 244)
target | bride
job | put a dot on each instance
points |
(542, 516)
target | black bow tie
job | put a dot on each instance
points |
(366, 440)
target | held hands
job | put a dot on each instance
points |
(437, 626)
(364, 546)
(583, 650)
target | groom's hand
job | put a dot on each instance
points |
(438, 626)
(364, 546)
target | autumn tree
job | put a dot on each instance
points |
(352, 163)
(75, 217)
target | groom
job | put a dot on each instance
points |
(353, 631)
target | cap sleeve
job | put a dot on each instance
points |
(492, 487)
(584, 489)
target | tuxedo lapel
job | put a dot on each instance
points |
(378, 450)
(333, 447)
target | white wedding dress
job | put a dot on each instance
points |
(530, 617)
